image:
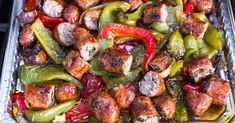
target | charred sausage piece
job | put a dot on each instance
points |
(152, 84)
(87, 45)
(155, 13)
(124, 94)
(91, 19)
(27, 17)
(194, 26)
(166, 106)
(117, 61)
(26, 37)
(143, 110)
(197, 102)
(85, 4)
(67, 91)
(135, 3)
(161, 61)
(104, 107)
(53, 8)
(75, 65)
(218, 89)
(39, 96)
(71, 13)
(203, 6)
(199, 68)
(63, 33)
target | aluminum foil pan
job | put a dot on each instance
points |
(9, 77)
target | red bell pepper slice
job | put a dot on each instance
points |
(79, 112)
(30, 5)
(126, 46)
(50, 22)
(188, 8)
(19, 100)
(115, 29)
(91, 84)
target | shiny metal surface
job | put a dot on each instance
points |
(9, 77)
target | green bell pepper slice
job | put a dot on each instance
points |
(112, 80)
(175, 45)
(37, 74)
(51, 47)
(131, 18)
(206, 50)
(161, 27)
(47, 115)
(176, 67)
(213, 38)
(181, 111)
(191, 46)
(108, 15)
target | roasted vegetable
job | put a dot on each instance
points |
(51, 47)
(176, 67)
(37, 74)
(191, 46)
(175, 45)
(47, 115)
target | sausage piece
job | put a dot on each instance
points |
(71, 13)
(87, 45)
(53, 8)
(152, 84)
(161, 61)
(75, 65)
(198, 102)
(143, 110)
(26, 37)
(104, 107)
(67, 91)
(218, 89)
(124, 94)
(63, 33)
(27, 17)
(85, 4)
(199, 68)
(194, 26)
(39, 96)
(155, 13)
(166, 106)
(91, 19)
(203, 6)
(117, 61)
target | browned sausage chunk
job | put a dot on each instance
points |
(117, 61)
(166, 106)
(39, 96)
(203, 6)
(152, 84)
(85, 4)
(143, 110)
(91, 19)
(87, 45)
(63, 33)
(199, 68)
(75, 65)
(104, 107)
(27, 17)
(67, 91)
(53, 8)
(124, 94)
(161, 61)
(135, 3)
(197, 102)
(26, 37)
(194, 26)
(155, 13)
(71, 13)
(218, 89)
